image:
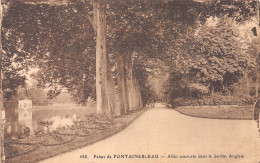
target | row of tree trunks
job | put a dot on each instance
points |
(129, 96)
(134, 95)
(133, 92)
(112, 100)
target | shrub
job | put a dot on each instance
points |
(216, 99)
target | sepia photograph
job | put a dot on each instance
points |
(130, 81)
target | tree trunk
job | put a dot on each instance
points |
(112, 100)
(247, 82)
(256, 85)
(131, 84)
(122, 98)
(212, 89)
(257, 77)
(130, 93)
(134, 92)
(101, 57)
(212, 93)
(126, 88)
(140, 101)
(137, 94)
(1, 93)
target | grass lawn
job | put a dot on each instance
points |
(89, 131)
(218, 112)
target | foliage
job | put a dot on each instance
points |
(198, 87)
(244, 88)
(59, 41)
(211, 57)
(34, 93)
(240, 10)
(216, 100)
(221, 58)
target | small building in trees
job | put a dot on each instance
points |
(25, 104)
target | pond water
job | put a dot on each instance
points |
(19, 121)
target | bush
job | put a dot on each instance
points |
(216, 99)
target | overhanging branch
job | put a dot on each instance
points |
(90, 19)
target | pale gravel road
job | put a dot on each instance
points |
(164, 132)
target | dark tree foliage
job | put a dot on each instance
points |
(207, 58)
(241, 10)
(57, 39)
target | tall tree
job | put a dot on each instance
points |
(1, 89)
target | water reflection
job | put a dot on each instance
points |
(27, 122)
(20, 123)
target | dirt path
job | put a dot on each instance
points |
(165, 132)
